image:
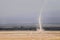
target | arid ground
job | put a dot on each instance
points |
(30, 35)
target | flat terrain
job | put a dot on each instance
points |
(50, 35)
(29, 35)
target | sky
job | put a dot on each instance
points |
(28, 11)
(19, 11)
(51, 12)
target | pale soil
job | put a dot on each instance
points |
(29, 35)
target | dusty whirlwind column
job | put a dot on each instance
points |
(40, 16)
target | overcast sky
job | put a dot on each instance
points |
(27, 11)
(51, 12)
(19, 11)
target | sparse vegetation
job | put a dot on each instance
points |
(20, 28)
(51, 28)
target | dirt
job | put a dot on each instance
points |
(30, 35)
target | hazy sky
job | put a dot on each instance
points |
(19, 11)
(51, 12)
(27, 11)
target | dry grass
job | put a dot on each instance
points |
(29, 35)
(50, 35)
(19, 35)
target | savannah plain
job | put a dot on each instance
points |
(30, 35)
